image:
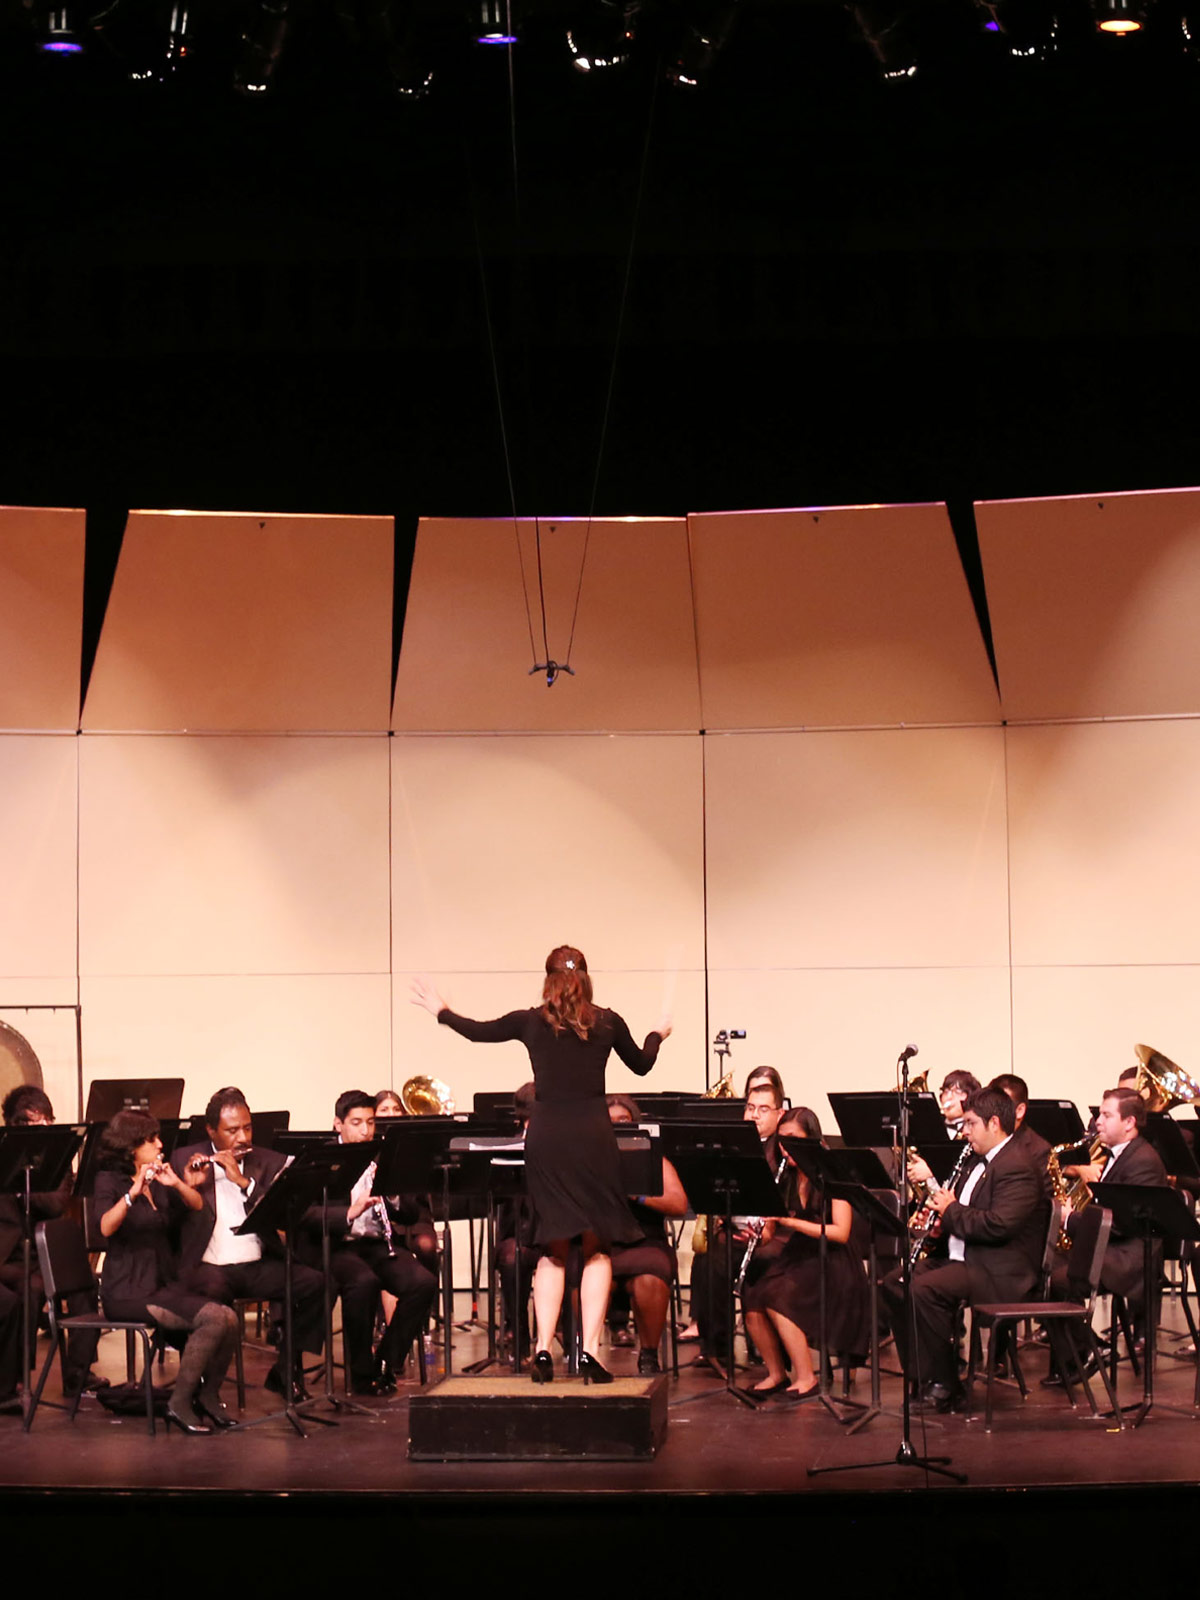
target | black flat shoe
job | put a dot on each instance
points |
(541, 1369)
(591, 1371)
(188, 1424)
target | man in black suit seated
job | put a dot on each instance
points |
(1034, 1146)
(27, 1106)
(1131, 1159)
(367, 1259)
(996, 1231)
(223, 1265)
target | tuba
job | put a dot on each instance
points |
(427, 1097)
(1168, 1084)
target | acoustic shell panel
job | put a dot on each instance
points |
(1074, 1028)
(474, 627)
(225, 855)
(856, 849)
(844, 1029)
(288, 1042)
(38, 783)
(247, 624)
(850, 617)
(1105, 855)
(41, 616)
(1093, 603)
(503, 848)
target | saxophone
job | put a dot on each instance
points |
(755, 1226)
(1076, 1192)
(921, 1228)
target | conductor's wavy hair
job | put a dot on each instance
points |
(567, 992)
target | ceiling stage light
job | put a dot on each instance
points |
(494, 22)
(1118, 16)
(603, 37)
(262, 44)
(704, 37)
(60, 33)
(887, 32)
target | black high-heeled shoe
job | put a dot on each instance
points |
(185, 1424)
(206, 1406)
(591, 1371)
(541, 1368)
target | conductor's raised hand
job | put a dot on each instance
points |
(663, 1028)
(425, 993)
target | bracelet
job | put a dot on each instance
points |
(128, 1199)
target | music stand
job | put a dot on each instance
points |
(722, 1171)
(1057, 1121)
(157, 1097)
(1145, 1212)
(45, 1149)
(311, 1179)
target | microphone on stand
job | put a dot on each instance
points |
(908, 1052)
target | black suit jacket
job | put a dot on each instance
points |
(12, 1210)
(1124, 1266)
(196, 1227)
(1003, 1227)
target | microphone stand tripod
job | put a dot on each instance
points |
(906, 1454)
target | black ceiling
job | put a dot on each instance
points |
(981, 281)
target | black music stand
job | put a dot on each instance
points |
(44, 1150)
(850, 1175)
(1140, 1211)
(722, 1171)
(160, 1098)
(505, 1182)
(1057, 1121)
(319, 1173)
(899, 1121)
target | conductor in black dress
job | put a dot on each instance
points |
(572, 1169)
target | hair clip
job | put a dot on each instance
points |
(569, 964)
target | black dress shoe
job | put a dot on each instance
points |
(648, 1366)
(940, 1397)
(186, 1422)
(591, 1371)
(274, 1382)
(88, 1382)
(1054, 1380)
(541, 1369)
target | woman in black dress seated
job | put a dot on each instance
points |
(572, 1169)
(137, 1200)
(782, 1301)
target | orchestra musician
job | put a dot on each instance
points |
(137, 1203)
(368, 1258)
(952, 1098)
(221, 1265)
(996, 1231)
(782, 1295)
(27, 1106)
(645, 1271)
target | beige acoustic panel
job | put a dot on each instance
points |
(844, 1030)
(228, 623)
(233, 855)
(41, 616)
(1075, 1028)
(1105, 853)
(38, 780)
(503, 848)
(1093, 603)
(845, 617)
(423, 1046)
(878, 848)
(466, 653)
(290, 1043)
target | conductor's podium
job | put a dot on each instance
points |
(498, 1417)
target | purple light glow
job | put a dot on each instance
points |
(992, 27)
(497, 38)
(62, 47)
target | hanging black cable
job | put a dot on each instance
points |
(612, 371)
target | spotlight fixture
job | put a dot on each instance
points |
(386, 32)
(262, 44)
(156, 62)
(495, 23)
(704, 37)
(60, 32)
(1118, 16)
(604, 35)
(887, 32)
(1028, 30)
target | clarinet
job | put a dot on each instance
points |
(921, 1228)
(756, 1233)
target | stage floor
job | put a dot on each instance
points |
(714, 1446)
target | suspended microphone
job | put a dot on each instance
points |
(908, 1052)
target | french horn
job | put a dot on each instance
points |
(427, 1097)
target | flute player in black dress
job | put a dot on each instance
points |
(572, 1169)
